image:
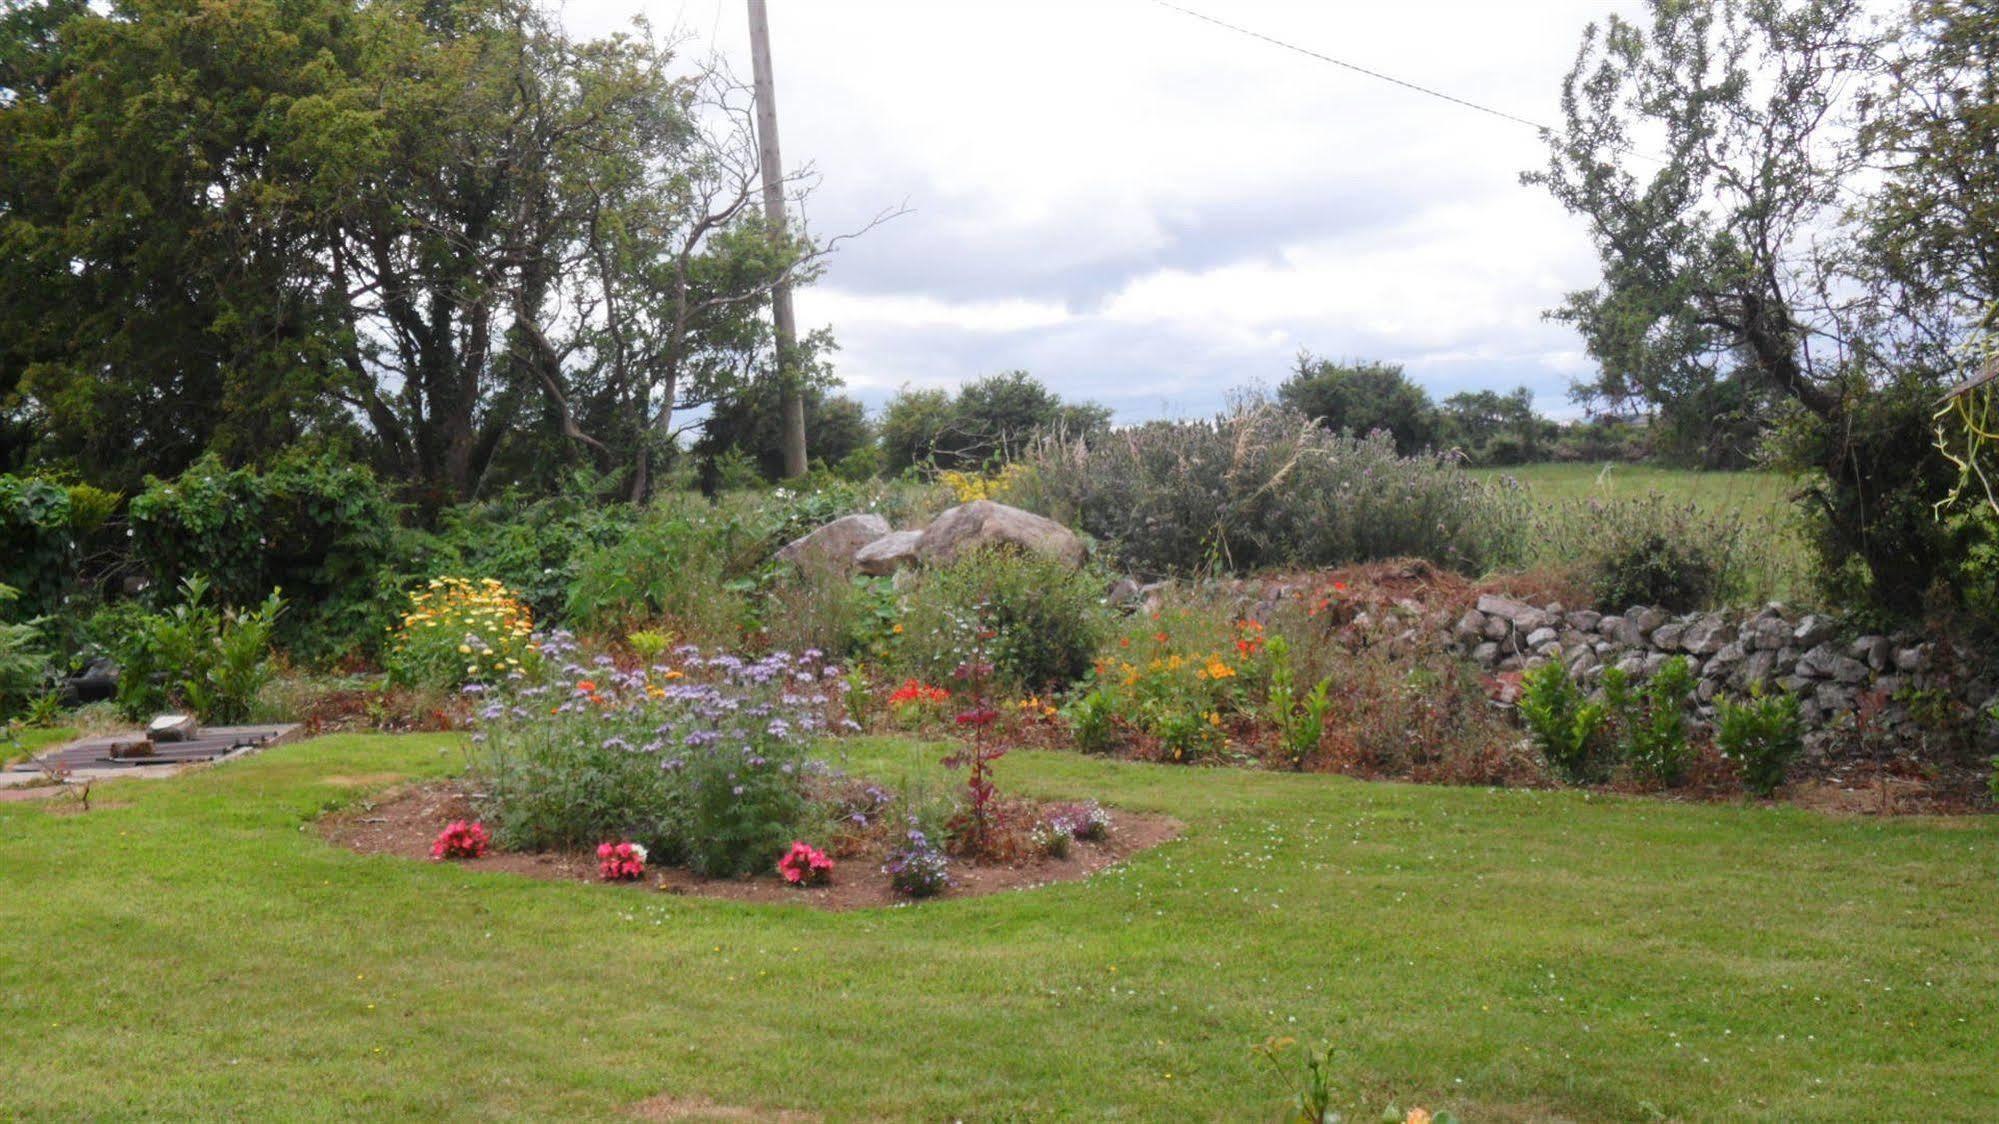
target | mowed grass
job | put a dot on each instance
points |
(192, 949)
(1779, 567)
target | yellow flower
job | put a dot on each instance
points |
(897, 630)
(465, 649)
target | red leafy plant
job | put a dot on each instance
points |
(805, 865)
(461, 840)
(978, 828)
(621, 862)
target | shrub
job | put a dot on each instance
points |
(846, 617)
(1301, 723)
(1051, 840)
(461, 840)
(706, 760)
(805, 865)
(621, 862)
(321, 528)
(1567, 728)
(23, 662)
(460, 631)
(917, 868)
(48, 527)
(1092, 719)
(195, 657)
(1260, 486)
(1046, 619)
(1085, 820)
(1762, 736)
(1651, 551)
(1655, 730)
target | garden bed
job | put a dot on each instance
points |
(405, 822)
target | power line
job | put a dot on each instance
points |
(1355, 67)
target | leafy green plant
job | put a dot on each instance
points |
(1261, 486)
(196, 657)
(1654, 550)
(23, 661)
(1566, 726)
(1762, 736)
(1092, 719)
(648, 644)
(1301, 723)
(1655, 732)
(1047, 619)
(321, 527)
(1312, 1087)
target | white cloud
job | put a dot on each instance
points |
(1147, 209)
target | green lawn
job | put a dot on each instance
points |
(1762, 500)
(191, 949)
(27, 743)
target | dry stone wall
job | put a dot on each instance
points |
(1835, 673)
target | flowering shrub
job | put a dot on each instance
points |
(621, 862)
(461, 840)
(704, 759)
(1261, 486)
(969, 486)
(1086, 821)
(1051, 839)
(915, 701)
(805, 865)
(918, 868)
(460, 631)
(1180, 676)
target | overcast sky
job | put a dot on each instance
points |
(1148, 210)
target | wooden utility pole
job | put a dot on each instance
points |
(791, 397)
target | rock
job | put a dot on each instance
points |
(1582, 620)
(1707, 689)
(1875, 651)
(1582, 663)
(1912, 659)
(897, 549)
(1769, 634)
(1497, 628)
(833, 546)
(1470, 626)
(1646, 619)
(1122, 592)
(1848, 670)
(171, 728)
(1812, 631)
(1667, 636)
(97, 682)
(1541, 636)
(1759, 667)
(1486, 654)
(1834, 699)
(1622, 631)
(1819, 662)
(1707, 636)
(1494, 606)
(983, 523)
(1728, 655)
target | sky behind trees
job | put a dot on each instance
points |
(1149, 210)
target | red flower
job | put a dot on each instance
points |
(1159, 636)
(805, 865)
(461, 840)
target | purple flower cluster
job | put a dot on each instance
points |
(918, 868)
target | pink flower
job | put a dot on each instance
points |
(805, 865)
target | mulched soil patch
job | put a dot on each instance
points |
(405, 823)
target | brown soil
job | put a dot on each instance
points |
(406, 821)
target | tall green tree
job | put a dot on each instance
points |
(1361, 397)
(1713, 150)
(450, 234)
(990, 419)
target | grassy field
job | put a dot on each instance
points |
(192, 949)
(27, 743)
(1761, 500)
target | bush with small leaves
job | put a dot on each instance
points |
(1566, 726)
(1762, 736)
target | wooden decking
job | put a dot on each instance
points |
(209, 743)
